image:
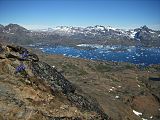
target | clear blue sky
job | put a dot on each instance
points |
(116, 13)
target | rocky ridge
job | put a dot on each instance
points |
(32, 89)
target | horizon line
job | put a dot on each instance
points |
(42, 26)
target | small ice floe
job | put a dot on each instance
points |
(133, 57)
(142, 64)
(129, 50)
(103, 55)
(76, 56)
(70, 56)
(40, 48)
(127, 57)
(101, 52)
(53, 66)
(31, 45)
(90, 45)
(137, 113)
(138, 54)
(139, 86)
(116, 96)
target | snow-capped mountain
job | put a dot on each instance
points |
(99, 30)
(67, 30)
(91, 34)
(87, 30)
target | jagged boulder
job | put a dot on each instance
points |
(22, 54)
(9, 55)
(18, 49)
(33, 57)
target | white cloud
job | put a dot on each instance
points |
(32, 27)
(155, 26)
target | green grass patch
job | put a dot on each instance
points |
(103, 68)
(72, 69)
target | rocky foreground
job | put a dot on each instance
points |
(31, 89)
(75, 89)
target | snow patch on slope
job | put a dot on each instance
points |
(132, 35)
(137, 113)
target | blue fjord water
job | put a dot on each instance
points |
(132, 54)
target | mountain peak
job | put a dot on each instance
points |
(110, 28)
(144, 27)
(1, 25)
(13, 28)
(99, 27)
(11, 25)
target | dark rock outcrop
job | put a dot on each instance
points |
(63, 118)
(1, 49)
(52, 77)
(18, 49)
(85, 103)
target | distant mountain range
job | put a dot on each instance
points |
(76, 35)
